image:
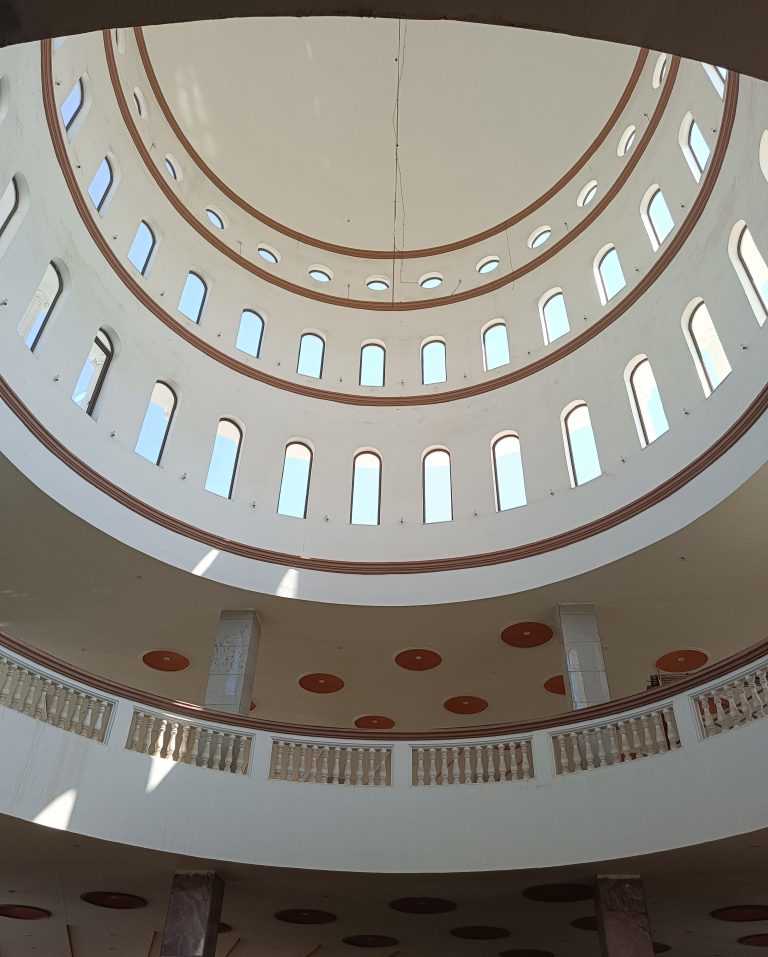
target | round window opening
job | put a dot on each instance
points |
(627, 140)
(587, 194)
(487, 265)
(172, 168)
(539, 237)
(320, 273)
(270, 255)
(377, 284)
(431, 280)
(216, 219)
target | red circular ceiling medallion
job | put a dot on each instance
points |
(165, 660)
(23, 912)
(114, 900)
(476, 932)
(252, 706)
(558, 893)
(755, 940)
(527, 634)
(555, 685)
(307, 916)
(742, 912)
(676, 662)
(465, 704)
(418, 659)
(371, 940)
(321, 683)
(375, 721)
(585, 923)
(422, 905)
(224, 928)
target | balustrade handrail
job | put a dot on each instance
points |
(702, 679)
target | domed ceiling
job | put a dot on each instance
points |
(301, 118)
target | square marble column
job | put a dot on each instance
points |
(233, 663)
(585, 667)
(622, 917)
(194, 911)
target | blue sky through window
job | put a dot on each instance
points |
(612, 276)
(372, 365)
(226, 450)
(648, 400)
(250, 333)
(192, 297)
(584, 460)
(157, 420)
(141, 247)
(438, 506)
(294, 486)
(510, 485)
(496, 346)
(660, 217)
(555, 317)
(100, 184)
(311, 352)
(366, 489)
(433, 363)
(71, 106)
(699, 146)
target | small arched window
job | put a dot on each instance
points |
(433, 366)
(436, 486)
(372, 362)
(39, 310)
(101, 184)
(192, 297)
(157, 423)
(311, 355)
(141, 248)
(695, 148)
(647, 409)
(224, 459)
(609, 275)
(718, 76)
(91, 379)
(708, 354)
(656, 217)
(660, 71)
(583, 462)
(508, 473)
(554, 316)
(495, 346)
(9, 203)
(73, 104)
(366, 489)
(250, 333)
(751, 269)
(294, 485)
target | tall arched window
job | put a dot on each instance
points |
(250, 333)
(656, 217)
(436, 486)
(101, 184)
(751, 269)
(294, 485)
(583, 463)
(609, 275)
(372, 362)
(366, 489)
(141, 248)
(192, 297)
(94, 372)
(708, 354)
(495, 346)
(718, 76)
(157, 422)
(645, 399)
(433, 367)
(9, 203)
(225, 456)
(39, 310)
(695, 148)
(71, 107)
(508, 473)
(554, 316)
(311, 355)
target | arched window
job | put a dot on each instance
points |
(436, 486)
(656, 216)
(101, 184)
(433, 367)
(294, 486)
(71, 107)
(695, 148)
(508, 473)
(94, 372)
(608, 274)
(708, 354)
(9, 203)
(224, 459)
(141, 248)
(495, 346)
(554, 316)
(157, 422)
(311, 355)
(366, 489)
(583, 463)
(659, 71)
(645, 399)
(250, 333)
(192, 297)
(39, 310)
(751, 269)
(372, 362)
(718, 76)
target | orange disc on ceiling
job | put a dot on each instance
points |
(465, 704)
(418, 659)
(165, 660)
(555, 684)
(527, 634)
(376, 721)
(252, 706)
(321, 683)
(114, 900)
(305, 916)
(680, 661)
(23, 912)
(754, 940)
(742, 912)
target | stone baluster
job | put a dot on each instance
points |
(291, 755)
(647, 739)
(757, 690)
(658, 732)
(704, 701)
(613, 742)
(336, 765)
(98, 724)
(734, 714)
(278, 768)
(601, 761)
(194, 750)
(455, 766)
(63, 721)
(576, 752)
(625, 750)
(371, 758)
(302, 761)
(170, 751)
(16, 699)
(77, 716)
(588, 753)
(219, 738)
(29, 701)
(479, 769)
(565, 764)
(133, 742)
(85, 724)
(467, 765)
(157, 751)
(240, 765)
(525, 761)
(41, 713)
(206, 755)
(432, 766)
(722, 719)
(744, 702)
(347, 765)
(324, 766)
(184, 743)
(313, 766)
(359, 766)
(383, 767)
(8, 684)
(53, 709)
(637, 746)
(444, 766)
(489, 756)
(230, 750)
(419, 767)
(502, 753)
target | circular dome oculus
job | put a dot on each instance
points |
(679, 662)
(479, 932)
(269, 255)
(113, 900)
(23, 912)
(163, 660)
(320, 273)
(376, 722)
(215, 219)
(587, 194)
(539, 236)
(741, 912)
(422, 905)
(430, 280)
(304, 916)
(465, 704)
(418, 659)
(371, 940)
(320, 683)
(487, 265)
(527, 634)
(377, 283)
(555, 685)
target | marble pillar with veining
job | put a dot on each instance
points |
(194, 911)
(622, 917)
(585, 674)
(233, 662)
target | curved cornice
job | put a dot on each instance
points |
(387, 254)
(675, 243)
